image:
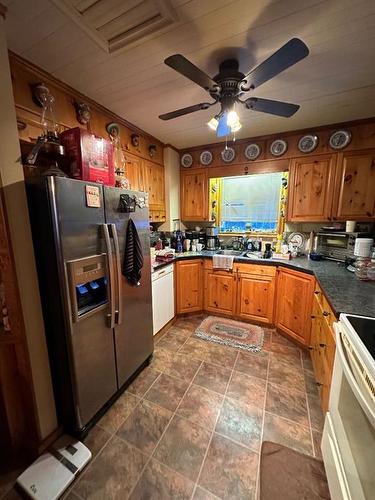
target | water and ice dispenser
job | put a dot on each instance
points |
(88, 285)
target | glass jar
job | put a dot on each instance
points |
(361, 268)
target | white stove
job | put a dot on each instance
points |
(348, 444)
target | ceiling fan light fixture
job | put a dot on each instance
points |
(232, 118)
(223, 128)
(213, 123)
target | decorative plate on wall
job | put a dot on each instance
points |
(205, 158)
(308, 143)
(228, 155)
(340, 139)
(186, 160)
(298, 240)
(252, 151)
(278, 147)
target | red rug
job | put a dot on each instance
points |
(232, 333)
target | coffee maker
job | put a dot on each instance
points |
(212, 238)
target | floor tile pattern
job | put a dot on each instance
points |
(191, 425)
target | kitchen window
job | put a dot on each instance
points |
(249, 203)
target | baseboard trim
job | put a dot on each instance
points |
(165, 328)
(51, 438)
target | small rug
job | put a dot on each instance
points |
(232, 333)
(290, 475)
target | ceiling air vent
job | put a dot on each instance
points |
(115, 24)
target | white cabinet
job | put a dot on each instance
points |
(162, 297)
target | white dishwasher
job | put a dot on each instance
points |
(162, 297)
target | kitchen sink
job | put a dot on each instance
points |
(252, 255)
(229, 252)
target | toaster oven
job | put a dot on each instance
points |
(337, 245)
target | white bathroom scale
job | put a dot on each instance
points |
(49, 476)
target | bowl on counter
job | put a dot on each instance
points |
(316, 256)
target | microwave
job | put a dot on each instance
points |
(337, 245)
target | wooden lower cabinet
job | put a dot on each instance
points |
(189, 285)
(294, 302)
(285, 300)
(220, 292)
(232, 293)
(255, 297)
(322, 345)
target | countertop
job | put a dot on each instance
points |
(344, 291)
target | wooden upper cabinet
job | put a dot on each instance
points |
(294, 302)
(134, 172)
(311, 188)
(189, 286)
(355, 186)
(255, 298)
(194, 195)
(155, 184)
(220, 292)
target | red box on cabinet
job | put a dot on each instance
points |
(90, 157)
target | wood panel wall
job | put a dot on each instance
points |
(17, 413)
(25, 75)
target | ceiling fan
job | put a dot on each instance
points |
(229, 85)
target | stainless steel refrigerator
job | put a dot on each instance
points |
(98, 326)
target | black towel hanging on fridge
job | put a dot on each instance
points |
(133, 258)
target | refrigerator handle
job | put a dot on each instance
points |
(112, 314)
(118, 271)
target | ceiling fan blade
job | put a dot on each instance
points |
(278, 108)
(179, 63)
(185, 111)
(289, 54)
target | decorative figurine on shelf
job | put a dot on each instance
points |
(121, 181)
(152, 150)
(48, 142)
(83, 112)
(135, 140)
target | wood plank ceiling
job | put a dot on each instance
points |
(336, 82)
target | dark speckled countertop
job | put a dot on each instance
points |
(344, 291)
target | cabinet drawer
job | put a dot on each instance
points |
(255, 269)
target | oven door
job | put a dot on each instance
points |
(348, 443)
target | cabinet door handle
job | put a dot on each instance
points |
(312, 316)
(319, 384)
(322, 345)
(310, 348)
(325, 313)
(317, 292)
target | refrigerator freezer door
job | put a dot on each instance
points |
(133, 331)
(79, 234)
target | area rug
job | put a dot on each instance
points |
(232, 333)
(290, 475)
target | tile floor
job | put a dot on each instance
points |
(191, 425)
